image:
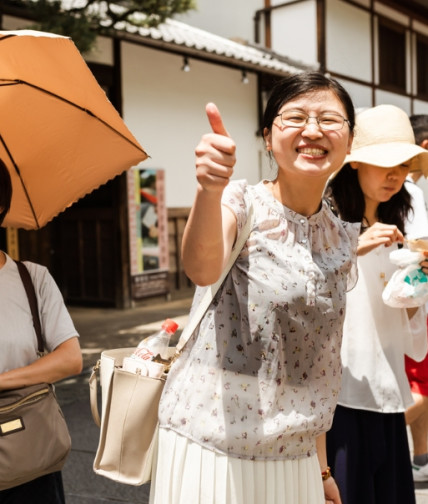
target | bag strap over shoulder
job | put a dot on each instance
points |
(32, 299)
(212, 289)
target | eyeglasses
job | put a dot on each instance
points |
(328, 121)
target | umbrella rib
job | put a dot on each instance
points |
(83, 109)
(8, 83)
(6, 37)
(22, 182)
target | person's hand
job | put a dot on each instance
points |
(331, 491)
(215, 154)
(379, 234)
(424, 266)
(424, 263)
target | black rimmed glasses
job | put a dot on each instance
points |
(328, 121)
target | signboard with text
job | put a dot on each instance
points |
(148, 232)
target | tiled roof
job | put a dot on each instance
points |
(188, 40)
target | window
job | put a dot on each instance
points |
(392, 55)
(422, 65)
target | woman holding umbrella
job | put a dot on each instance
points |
(19, 362)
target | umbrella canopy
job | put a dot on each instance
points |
(60, 136)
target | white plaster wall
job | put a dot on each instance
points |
(384, 97)
(420, 107)
(348, 40)
(164, 107)
(227, 18)
(361, 95)
(294, 32)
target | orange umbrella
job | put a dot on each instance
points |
(59, 135)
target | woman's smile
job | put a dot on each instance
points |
(312, 151)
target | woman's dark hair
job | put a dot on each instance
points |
(5, 191)
(347, 199)
(420, 127)
(295, 85)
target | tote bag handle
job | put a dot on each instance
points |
(212, 289)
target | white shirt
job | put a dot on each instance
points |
(375, 339)
(417, 221)
(17, 335)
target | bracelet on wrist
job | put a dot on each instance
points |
(326, 474)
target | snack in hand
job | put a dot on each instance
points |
(419, 245)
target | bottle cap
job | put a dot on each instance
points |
(170, 326)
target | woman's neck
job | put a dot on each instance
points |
(370, 213)
(303, 200)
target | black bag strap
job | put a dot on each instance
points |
(32, 299)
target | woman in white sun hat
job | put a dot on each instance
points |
(367, 445)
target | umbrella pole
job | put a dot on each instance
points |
(22, 182)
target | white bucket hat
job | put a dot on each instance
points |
(384, 137)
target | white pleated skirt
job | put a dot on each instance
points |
(187, 473)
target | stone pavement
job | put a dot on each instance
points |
(421, 489)
(111, 328)
(100, 329)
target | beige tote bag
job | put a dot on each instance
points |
(129, 421)
(129, 401)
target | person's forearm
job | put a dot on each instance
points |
(209, 233)
(331, 490)
(203, 247)
(322, 451)
(64, 361)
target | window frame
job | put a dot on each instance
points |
(392, 64)
(421, 67)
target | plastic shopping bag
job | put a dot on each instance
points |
(408, 286)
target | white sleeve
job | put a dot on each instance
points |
(55, 319)
(418, 345)
(417, 222)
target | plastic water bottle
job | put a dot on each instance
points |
(141, 361)
(157, 343)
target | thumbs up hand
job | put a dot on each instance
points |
(215, 154)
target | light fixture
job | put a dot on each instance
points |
(244, 78)
(186, 66)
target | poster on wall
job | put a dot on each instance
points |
(148, 232)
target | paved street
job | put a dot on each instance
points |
(101, 329)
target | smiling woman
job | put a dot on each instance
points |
(369, 421)
(245, 408)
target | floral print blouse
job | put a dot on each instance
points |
(260, 377)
